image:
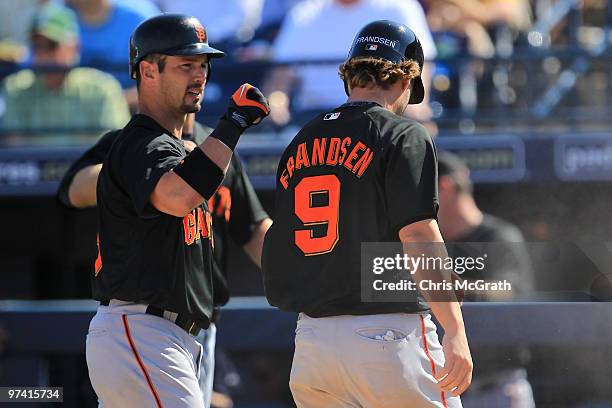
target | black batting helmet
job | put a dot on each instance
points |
(169, 34)
(393, 42)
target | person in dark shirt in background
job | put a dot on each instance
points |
(500, 378)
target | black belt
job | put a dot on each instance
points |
(186, 323)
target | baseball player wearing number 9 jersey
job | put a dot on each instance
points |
(364, 173)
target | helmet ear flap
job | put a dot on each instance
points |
(133, 58)
(417, 93)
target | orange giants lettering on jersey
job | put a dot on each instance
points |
(196, 225)
(98, 263)
(221, 203)
(335, 151)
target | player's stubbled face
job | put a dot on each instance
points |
(183, 81)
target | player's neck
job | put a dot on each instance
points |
(385, 98)
(172, 122)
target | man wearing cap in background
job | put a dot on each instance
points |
(61, 98)
(500, 379)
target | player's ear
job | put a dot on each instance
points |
(146, 69)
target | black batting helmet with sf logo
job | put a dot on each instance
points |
(393, 42)
(169, 34)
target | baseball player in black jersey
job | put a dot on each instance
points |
(364, 173)
(154, 272)
(236, 211)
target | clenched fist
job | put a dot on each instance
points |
(248, 106)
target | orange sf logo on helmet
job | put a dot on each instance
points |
(200, 33)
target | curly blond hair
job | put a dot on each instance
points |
(362, 71)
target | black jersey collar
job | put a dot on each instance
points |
(360, 104)
(142, 120)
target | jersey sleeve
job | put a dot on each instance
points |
(246, 211)
(94, 155)
(142, 165)
(411, 178)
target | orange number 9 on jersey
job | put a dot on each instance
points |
(321, 215)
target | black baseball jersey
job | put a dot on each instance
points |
(236, 211)
(357, 174)
(235, 206)
(146, 255)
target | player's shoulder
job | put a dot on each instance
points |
(109, 137)
(393, 128)
(106, 141)
(143, 132)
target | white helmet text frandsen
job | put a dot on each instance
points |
(380, 40)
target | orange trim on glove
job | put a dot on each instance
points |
(240, 98)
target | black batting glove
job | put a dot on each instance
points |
(248, 106)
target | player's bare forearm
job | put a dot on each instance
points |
(216, 151)
(254, 247)
(175, 196)
(82, 190)
(423, 238)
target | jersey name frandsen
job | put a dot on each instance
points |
(334, 151)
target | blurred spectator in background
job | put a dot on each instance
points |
(105, 29)
(305, 36)
(14, 29)
(462, 221)
(274, 11)
(69, 98)
(480, 28)
(147, 7)
(476, 20)
(227, 21)
(500, 377)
